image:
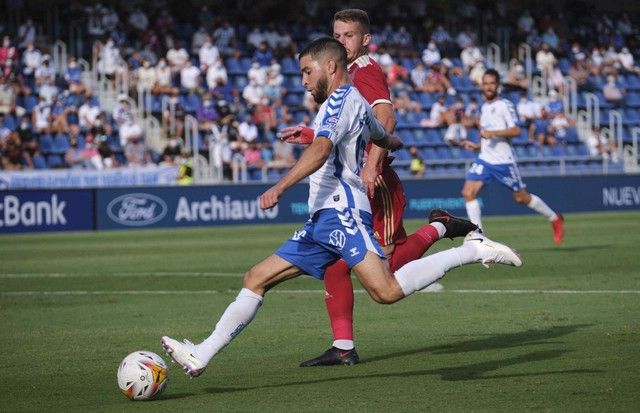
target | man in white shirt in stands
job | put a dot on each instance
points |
(189, 77)
(496, 160)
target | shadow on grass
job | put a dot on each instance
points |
(476, 371)
(496, 341)
(567, 249)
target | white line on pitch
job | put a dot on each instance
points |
(202, 292)
(120, 274)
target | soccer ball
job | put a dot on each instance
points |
(142, 375)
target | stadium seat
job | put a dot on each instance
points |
(54, 161)
(60, 143)
(46, 143)
(39, 162)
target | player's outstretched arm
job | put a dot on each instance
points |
(501, 133)
(298, 134)
(311, 160)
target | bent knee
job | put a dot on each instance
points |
(381, 296)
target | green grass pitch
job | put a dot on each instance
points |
(560, 334)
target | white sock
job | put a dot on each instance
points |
(236, 317)
(473, 212)
(420, 273)
(343, 344)
(440, 228)
(541, 207)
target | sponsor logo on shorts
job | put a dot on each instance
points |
(337, 238)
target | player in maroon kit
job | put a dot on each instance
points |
(385, 191)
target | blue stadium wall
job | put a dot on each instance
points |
(164, 207)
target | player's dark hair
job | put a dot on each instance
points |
(354, 15)
(494, 73)
(326, 46)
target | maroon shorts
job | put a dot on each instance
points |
(387, 207)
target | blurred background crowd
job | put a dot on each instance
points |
(133, 83)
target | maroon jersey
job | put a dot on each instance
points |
(370, 80)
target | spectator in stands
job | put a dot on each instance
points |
(545, 59)
(109, 57)
(528, 112)
(456, 131)
(190, 77)
(146, 77)
(31, 59)
(198, 39)
(613, 93)
(253, 159)
(554, 104)
(471, 113)
(442, 39)
(207, 114)
(171, 154)
(209, 54)
(257, 73)
(254, 38)
(73, 76)
(41, 116)
(470, 56)
(75, 158)
(283, 156)
(263, 54)
(174, 114)
(106, 152)
(437, 115)
(555, 79)
(14, 156)
(247, 130)
(476, 73)
(579, 72)
(138, 20)
(216, 75)
(88, 113)
(418, 75)
(177, 57)
(122, 111)
(273, 88)
(431, 55)
(403, 103)
(7, 97)
(132, 140)
(45, 73)
(26, 34)
(557, 131)
(516, 80)
(253, 93)
(437, 81)
(551, 38)
(416, 165)
(7, 51)
(600, 145)
(225, 38)
(627, 62)
(163, 83)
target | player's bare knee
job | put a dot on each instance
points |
(382, 295)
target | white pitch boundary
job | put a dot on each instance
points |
(209, 292)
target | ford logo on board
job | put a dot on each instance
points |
(137, 210)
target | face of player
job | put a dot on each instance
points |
(351, 35)
(489, 87)
(314, 78)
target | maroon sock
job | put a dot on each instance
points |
(414, 247)
(339, 300)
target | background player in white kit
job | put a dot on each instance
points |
(496, 160)
(340, 223)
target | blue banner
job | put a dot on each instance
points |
(38, 211)
(195, 206)
(238, 204)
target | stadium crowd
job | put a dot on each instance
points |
(241, 82)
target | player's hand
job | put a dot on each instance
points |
(485, 134)
(369, 174)
(298, 134)
(270, 198)
(470, 146)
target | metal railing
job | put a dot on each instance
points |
(524, 56)
(59, 56)
(593, 108)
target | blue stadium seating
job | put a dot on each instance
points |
(46, 143)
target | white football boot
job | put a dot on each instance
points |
(488, 251)
(184, 353)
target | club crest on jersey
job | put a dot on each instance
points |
(337, 238)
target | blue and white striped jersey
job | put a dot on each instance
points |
(347, 120)
(497, 115)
